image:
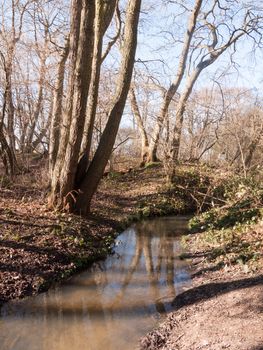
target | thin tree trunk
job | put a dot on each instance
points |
(175, 85)
(8, 157)
(173, 153)
(144, 136)
(44, 131)
(9, 109)
(204, 63)
(174, 150)
(8, 149)
(38, 106)
(10, 112)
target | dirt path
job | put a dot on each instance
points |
(222, 310)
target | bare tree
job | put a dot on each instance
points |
(104, 14)
(68, 189)
(143, 133)
(176, 83)
(204, 113)
(210, 52)
(95, 171)
(43, 53)
(10, 35)
(57, 108)
(81, 44)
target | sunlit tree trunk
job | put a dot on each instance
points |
(104, 14)
(67, 190)
(40, 96)
(8, 143)
(144, 136)
(90, 182)
(9, 100)
(175, 85)
(56, 119)
(81, 44)
(213, 55)
(11, 36)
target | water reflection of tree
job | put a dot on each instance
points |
(154, 246)
(82, 313)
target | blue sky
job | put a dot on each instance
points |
(159, 29)
(161, 33)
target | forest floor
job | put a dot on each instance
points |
(223, 308)
(40, 247)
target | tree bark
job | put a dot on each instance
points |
(144, 136)
(8, 148)
(104, 14)
(8, 157)
(57, 109)
(9, 102)
(39, 102)
(76, 8)
(213, 55)
(95, 171)
(63, 183)
(44, 131)
(175, 85)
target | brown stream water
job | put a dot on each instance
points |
(112, 304)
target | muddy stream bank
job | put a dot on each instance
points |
(112, 304)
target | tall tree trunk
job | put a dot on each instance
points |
(10, 110)
(144, 136)
(175, 144)
(54, 137)
(76, 8)
(44, 131)
(204, 63)
(175, 85)
(8, 148)
(81, 60)
(38, 106)
(90, 182)
(8, 106)
(8, 156)
(104, 14)
(39, 101)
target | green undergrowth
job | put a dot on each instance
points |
(152, 165)
(230, 233)
(161, 204)
(190, 191)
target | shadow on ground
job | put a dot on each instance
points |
(210, 290)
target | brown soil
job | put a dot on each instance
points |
(39, 247)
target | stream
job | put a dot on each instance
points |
(112, 304)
